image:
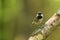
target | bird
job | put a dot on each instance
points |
(38, 18)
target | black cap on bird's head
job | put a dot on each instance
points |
(39, 13)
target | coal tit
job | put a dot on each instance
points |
(38, 18)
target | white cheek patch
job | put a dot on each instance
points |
(42, 15)
(36, 15)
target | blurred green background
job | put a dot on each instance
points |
(16, 17)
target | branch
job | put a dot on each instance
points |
(47, 28)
